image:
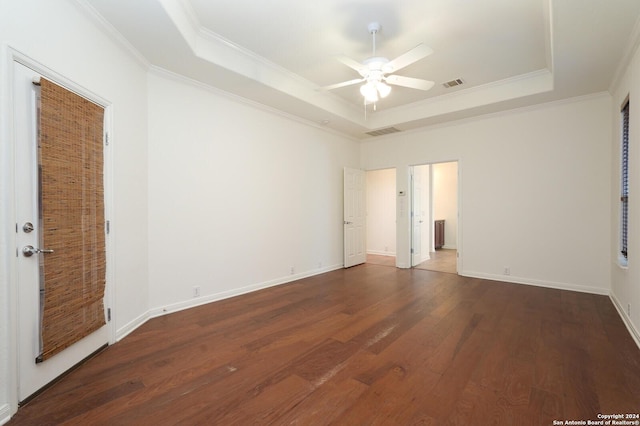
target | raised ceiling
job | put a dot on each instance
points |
(509, 53)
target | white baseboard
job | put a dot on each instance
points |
(192, 303)
(132, 325)
(5, 413)
(381, 253)
(538, 283)
(635, 334)
(448, 247)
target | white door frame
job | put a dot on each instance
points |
(8, 214)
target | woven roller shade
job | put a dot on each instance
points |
(73, 224)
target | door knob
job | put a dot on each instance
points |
(29, 251)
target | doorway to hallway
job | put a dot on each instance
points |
(381, 216)
(434, 216)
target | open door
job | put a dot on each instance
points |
(354, 217)
(60, 231)
(416, 216)
(420, 215)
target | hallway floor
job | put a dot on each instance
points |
(442, 260)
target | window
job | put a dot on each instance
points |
(624, 182)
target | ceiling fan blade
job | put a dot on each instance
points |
(343, 84)
(352, 63)
(413, 83)
(414, 55)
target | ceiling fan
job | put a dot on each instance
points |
(374, 70)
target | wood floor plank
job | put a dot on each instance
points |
(457, 375)
(544, 407)
(266, 408)
(325, 404)
(367, 317)
(549, 360)
(366, 345)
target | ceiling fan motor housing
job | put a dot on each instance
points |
(374, 66)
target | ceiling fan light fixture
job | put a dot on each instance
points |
(369, 91)
(384, 89)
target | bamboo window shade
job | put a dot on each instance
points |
(73, 224)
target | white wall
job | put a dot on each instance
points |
(535, 190)
(445, 200)
(624, 286)
(381, 212)
(237, 195)
(62, 38)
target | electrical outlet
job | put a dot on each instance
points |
(196, 291)
(292, 270)
(507, 270)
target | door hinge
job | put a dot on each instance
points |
(109, 314)
(108, 226)
(411, 251)
(106, 138)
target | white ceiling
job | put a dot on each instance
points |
(510, 53)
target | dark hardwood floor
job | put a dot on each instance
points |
(362, 346)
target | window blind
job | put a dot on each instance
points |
(624, 197)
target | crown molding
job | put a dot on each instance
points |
(179, 78)
(629, 51)
(90, 12)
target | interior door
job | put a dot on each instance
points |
(354, 217)
(61, 264)
(416, 216)
(420, 214)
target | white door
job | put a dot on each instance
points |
(416, 216)
(33, 373)
(420, 213)
(354, 217)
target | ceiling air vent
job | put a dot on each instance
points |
(383, 131)
(453, 83)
